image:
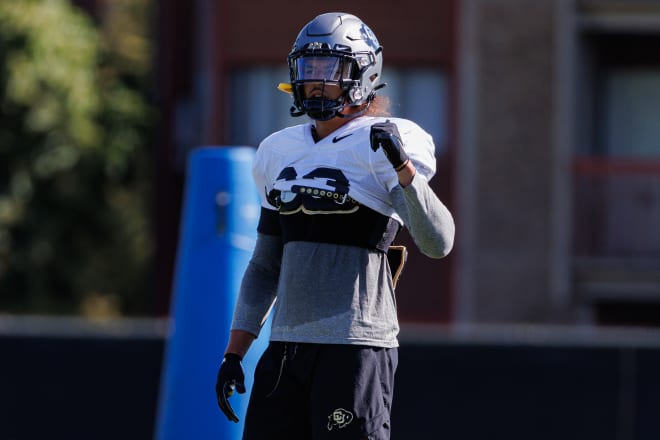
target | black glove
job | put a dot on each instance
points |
(386, 136)
(230, 378)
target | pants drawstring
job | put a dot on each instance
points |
(282, 362)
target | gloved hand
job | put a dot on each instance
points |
(386, 136)
(230, 378)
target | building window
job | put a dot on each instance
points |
(630, 125)
(421, 96)
(616, 232)
(257, 108)
(618, 199)
(618, 169)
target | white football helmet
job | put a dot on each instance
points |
(335, 48)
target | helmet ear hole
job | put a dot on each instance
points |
(356, 94)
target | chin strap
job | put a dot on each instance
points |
(364, 109)
(296, 112)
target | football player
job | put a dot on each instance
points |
(335, 193)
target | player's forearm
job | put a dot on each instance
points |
(239, 342)
(406, 174)
(428, 220)
(258, 286)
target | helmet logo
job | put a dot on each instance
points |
(315, 46)
(369, 37)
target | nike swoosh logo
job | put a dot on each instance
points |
(338, 138)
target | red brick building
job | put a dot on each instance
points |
(543, 113)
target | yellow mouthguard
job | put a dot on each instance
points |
(285, 87)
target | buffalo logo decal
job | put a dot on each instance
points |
(339, 418)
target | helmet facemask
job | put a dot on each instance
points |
(315, 70)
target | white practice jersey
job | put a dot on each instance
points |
(343, 163)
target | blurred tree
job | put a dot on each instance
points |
(75, 119)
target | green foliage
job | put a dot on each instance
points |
(74, 229)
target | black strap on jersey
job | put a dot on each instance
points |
(269, 222)
(364, 227)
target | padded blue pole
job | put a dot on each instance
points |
(218, 231)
